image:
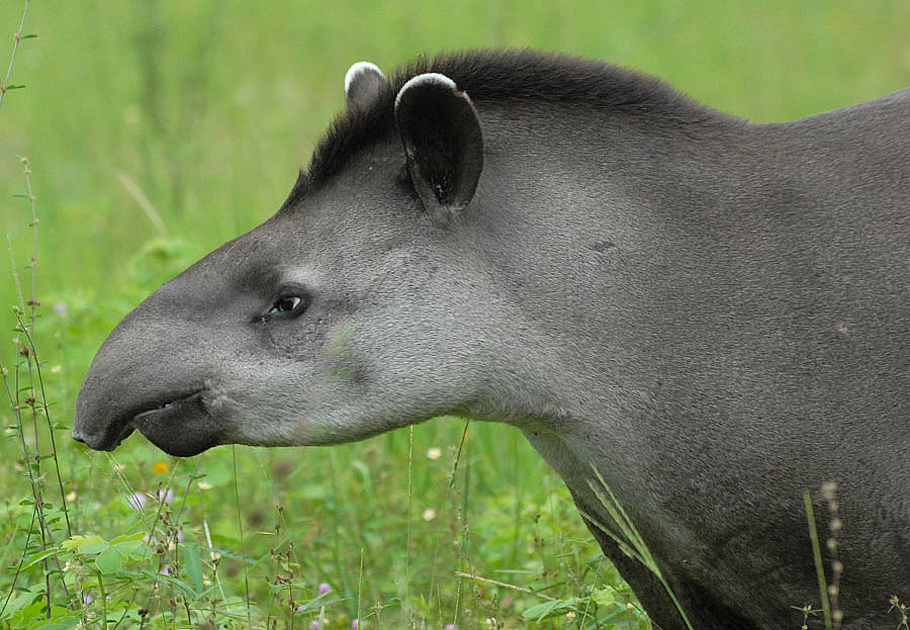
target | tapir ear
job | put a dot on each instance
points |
(363, 83)
(442, 142)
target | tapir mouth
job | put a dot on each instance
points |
(182, 427)
(166, 421)
(159, 411)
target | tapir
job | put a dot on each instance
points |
(708, 317)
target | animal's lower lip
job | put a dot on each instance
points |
(170, 407)
(183, 426)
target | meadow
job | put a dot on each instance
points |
(152, 132)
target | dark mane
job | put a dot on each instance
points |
(503, 75)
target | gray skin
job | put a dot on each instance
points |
(712, 314)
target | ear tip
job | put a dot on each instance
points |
(359, 68)
(433, 78)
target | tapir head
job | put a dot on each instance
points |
(357, 308)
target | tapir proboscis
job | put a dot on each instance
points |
(711, 314)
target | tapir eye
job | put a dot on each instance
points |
(286, 305)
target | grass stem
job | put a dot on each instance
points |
(817, 555)
(17, 37)
(246, 574)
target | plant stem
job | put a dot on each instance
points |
(18, 38)
(817, 554)
(103, 602)
(31, 345)
(246, 573)
(407, 548)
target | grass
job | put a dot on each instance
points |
(158, 131)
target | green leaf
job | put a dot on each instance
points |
(77, 541)
(129, 548)
(142, 552)
(186, 588)
(29, 36)
(61, 619)
(109, 560)
(605, 597)
(37, 559)
(541, 611)
(193, 566)
(14, 87)
(20, 602)
(128, 538)
(93, 547)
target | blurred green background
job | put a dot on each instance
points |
(198, 113)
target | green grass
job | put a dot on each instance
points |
(207, 109)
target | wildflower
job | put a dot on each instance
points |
(87, 598)
(315, 625)
(119, 467)
(450, 626)
(56, 369)
(71, 496)
(204, 486)
(160, 467)
(355, 625)
(324, 588)
(434, 452)
(570, 615)
(60, 308)
(165, 494)
(137, 501)
(429, 514)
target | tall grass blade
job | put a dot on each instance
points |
(817, 554)
(630, 541)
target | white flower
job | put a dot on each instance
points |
(429, 514)
(137, 500)
(434, 452)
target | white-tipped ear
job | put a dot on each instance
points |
(363, 82)
(443, 143)
(427, 77)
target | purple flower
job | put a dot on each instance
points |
(315, 625)
(137, 501)
(450, 626)
(87, 598)
(355, 625)
(324, 588)
(166, 495)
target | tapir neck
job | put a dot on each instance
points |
(599, 229)
(687, 295)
